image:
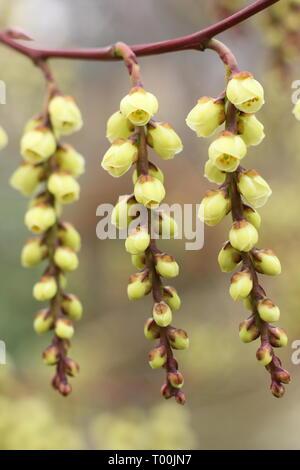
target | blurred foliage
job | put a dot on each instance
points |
(115, 402)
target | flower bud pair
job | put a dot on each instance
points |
(164, 140)
(65, 115)
(166, 265)
(226, 151)
(120, 157)
(206, 116)
(254, 188)
(214, 207)
(140, 284)
(245, 92)
(139, 106)
(243, 235)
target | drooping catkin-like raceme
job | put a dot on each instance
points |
(240, 193)
(49, 173)
(131, 130)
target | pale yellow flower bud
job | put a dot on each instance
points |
(296, 110)
(166, 265)
(139, 285)
(157, 357)
(175, 379)
(40, 217)
(252, 216)
(278, 337)
(64, 328)
(214, 207)
(248, 331)
(226, 151)
(151, 330)
(34, 122)
(33, 252)
(164, 140)
(264, 355)
(241, 285)
(43, 321)
(243, 235)
(26, 178)
(119, 157)
(64, 187)
(38, 145)
(139, 261)
(165, 225)
(254, 188)
(118, 127)
(171, 296)
(206, 116)
(153, 170)
(72, 306)
(120, 217)
(65, 258)
(266, 262)
(229, 258)
(69, 236)
(267, 310)
(139, 106)
(137, 241)
(250, 129)
(178, 338)
(45, 289)
(3, 138)
(245, 92)
(149, 191)
(213, 174)
(51, 355)
(65, 115)
(68, 159)
(162, 313)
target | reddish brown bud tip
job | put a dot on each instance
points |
(180, 398)
(277, 389)
(64, 388)
(166, 391)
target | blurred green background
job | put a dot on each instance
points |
(115, 402)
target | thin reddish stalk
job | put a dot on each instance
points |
(193, 41)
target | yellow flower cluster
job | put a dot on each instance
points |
(49, 173)
(130, 130)
(241, 192)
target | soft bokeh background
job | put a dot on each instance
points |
(115, 403)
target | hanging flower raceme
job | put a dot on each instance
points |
(49, 173)
(130, 130)
(240, 193)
